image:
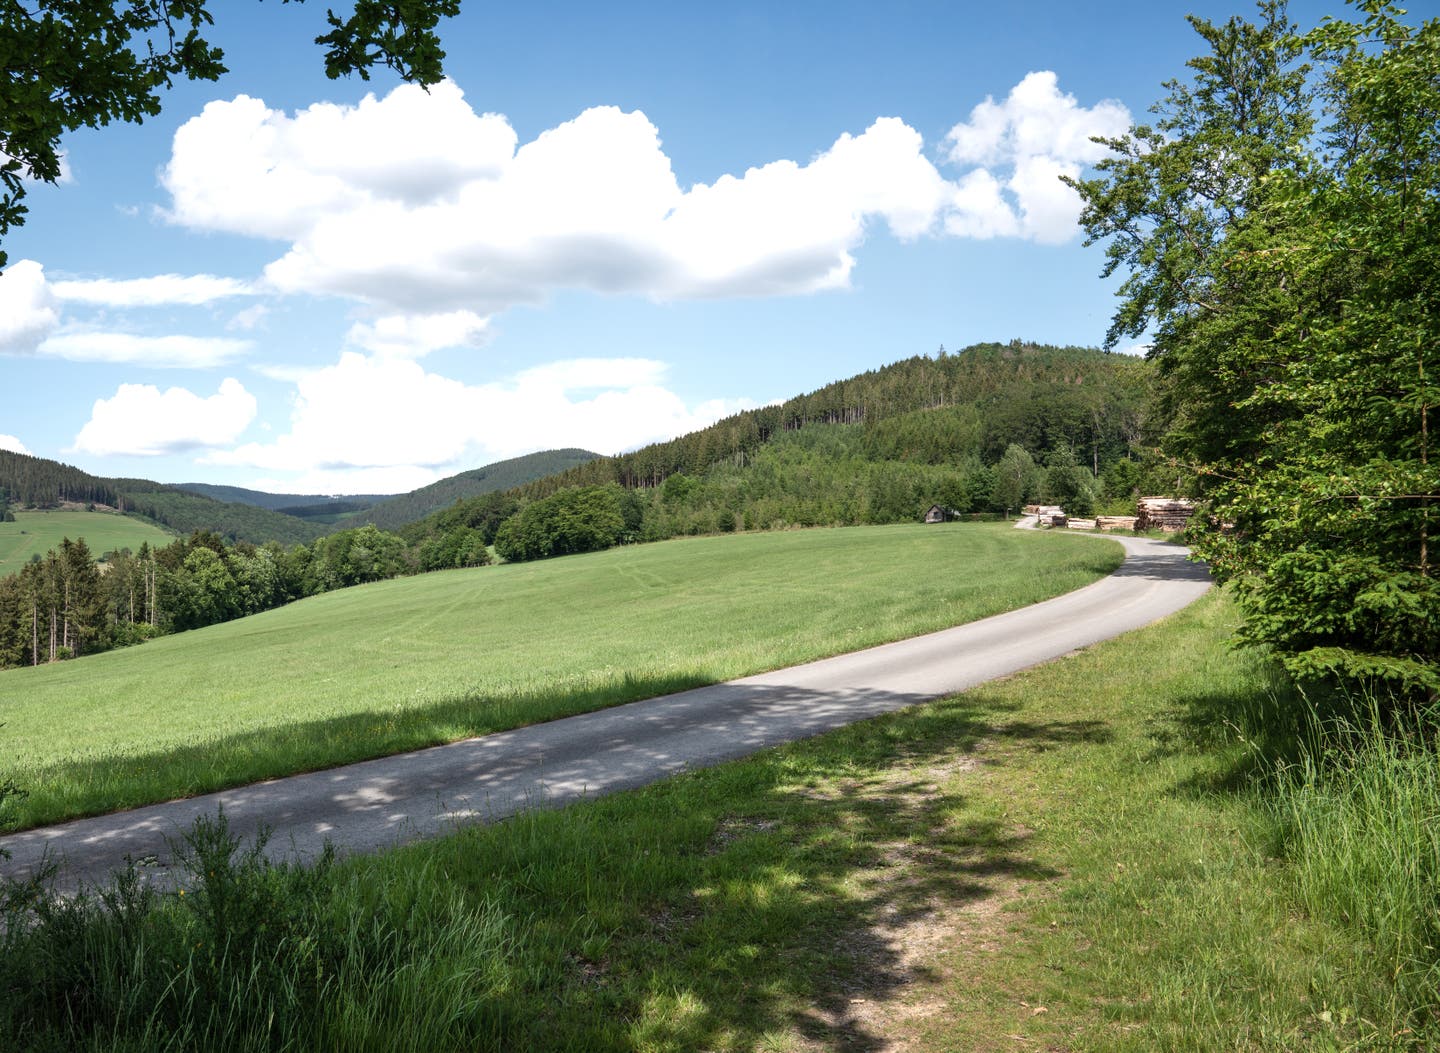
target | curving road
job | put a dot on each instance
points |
(378, 803)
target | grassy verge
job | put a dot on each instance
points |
(1361, 808)
(402, 664)
(1088, 855)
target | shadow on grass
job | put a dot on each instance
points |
(406, 796)
(105, 784)
(1253, 732)
(786, 893)
(782, 894)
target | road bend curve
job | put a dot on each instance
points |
(378, 803)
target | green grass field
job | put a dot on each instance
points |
(1085, 856)
(400, 664)
(35, 533)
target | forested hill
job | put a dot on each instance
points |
(1036, 396)
(281, 502)
(1066, 407)
(978, 432)
(44, 483)
(36, 481)
(184, 512)
(239, 514)
(404, 509)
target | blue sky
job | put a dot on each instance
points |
(612, 225)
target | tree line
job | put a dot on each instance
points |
(35, 481)
(64, 605)
(822, 475)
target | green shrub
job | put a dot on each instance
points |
(581, 519)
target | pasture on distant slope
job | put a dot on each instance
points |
(35, 533)
(406, 663)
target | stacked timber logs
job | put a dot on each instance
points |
(1164, 513)
(1047, 513)
(1115, 522)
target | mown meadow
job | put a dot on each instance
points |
(35, 533)
(1127, 849)
(400, 664)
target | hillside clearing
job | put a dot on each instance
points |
(35, 533)
(400, 664)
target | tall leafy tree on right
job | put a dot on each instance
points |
(1278, 230)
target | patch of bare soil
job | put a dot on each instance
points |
(939, 916)
(732, 829)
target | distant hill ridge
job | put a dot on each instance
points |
(873, 448)
(278, 502)
(1035, 394)
(185, 512)
(399, 511)
(240, 514)
(988, 396)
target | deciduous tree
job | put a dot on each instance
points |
(77, 63)
(583, 519)
(1014, 479)
(1277, 230)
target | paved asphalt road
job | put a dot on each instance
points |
(377, 803)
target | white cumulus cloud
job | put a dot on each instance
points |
(1033, 137)
(242, 167)
(414, 335)
(141, 420)
(978, 208)
(371, 418)
(27, 308)
(367, 412)
(14, 445)
(456, 215)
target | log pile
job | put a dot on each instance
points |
(1082, 524)
(1164, 513)
(1115, 522)
(1045, 512)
